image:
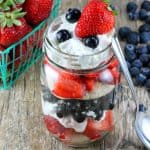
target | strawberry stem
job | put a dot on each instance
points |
(6, 4)
(8, 19)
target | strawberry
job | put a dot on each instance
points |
(69, 88)
(113, 63)
(37, 10)
(96, 18)
(14, 29)
(94, 128)
(116, 74)
(89, 83)
(57, 129)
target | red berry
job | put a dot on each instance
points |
(57, 129)
(113, 63)
(89, 83)
(116, 74)
(95, 19)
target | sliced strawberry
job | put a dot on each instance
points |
(95, 19)
(94, 128)
(57, 129)
(113, 63)
(92, 133)
(116, 74)
(69, 88)
(89, 83)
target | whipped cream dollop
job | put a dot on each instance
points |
(75, 46)
(67, 122)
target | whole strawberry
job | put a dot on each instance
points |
(96, 18)
(37, 10)
(12, 27)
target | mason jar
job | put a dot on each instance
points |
(78, 92)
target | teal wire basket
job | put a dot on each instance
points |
(13, 66)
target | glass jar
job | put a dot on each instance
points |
(78, 93)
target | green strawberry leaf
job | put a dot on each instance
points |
(106, 1)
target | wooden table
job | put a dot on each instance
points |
(21, 124)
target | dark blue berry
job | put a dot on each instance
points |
(79, 117)
(130, 57)
(147, 84)
(143, 14)
(131, 7)
(142, 108)
(144, 58)
(145, 37)
(148, 48)
(73, 15)
(63, 35)
(99, 114)
(133, 16)
(142, 50)
(146, 5)
(129, 48)
(146, 72)
(91, 41)
(128, 64)
(141, 79)
(144, 28)
(148, 20)
(60, 112)
(137, 63)
(130, 52)
(133, 38)
(123, 32)
(134, 71)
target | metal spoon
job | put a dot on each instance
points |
(142, 119)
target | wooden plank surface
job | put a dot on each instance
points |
(21, 124)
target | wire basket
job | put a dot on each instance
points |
(12, 65)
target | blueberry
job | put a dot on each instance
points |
(99, 114)
(131, 7)
(141, 79)
(142, 50)
(145, 37)
(123, 32)
(148, 20)
(133, 16)
(128, 64)
(134, 71)
(148, 48)
(144, 58)
(137, 63)
(133, 38)
(63, 35)
(129, 48)
(91, 41)
(146, 72)
(144, 28)
(79, 117)
(130, 57)
(60, 112)
(147, 84)
(146, 5)
(73, 15)
(143, 14)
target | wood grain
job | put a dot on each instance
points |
(21, 124)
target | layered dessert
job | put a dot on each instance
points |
(80, 74)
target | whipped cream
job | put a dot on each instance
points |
(86, 57)
(67, 122)
(75, 46)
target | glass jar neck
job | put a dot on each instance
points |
(84, 63)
